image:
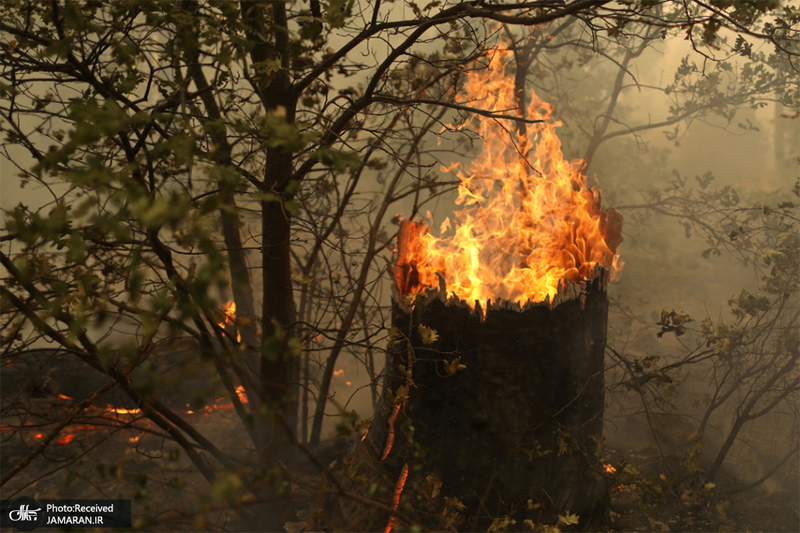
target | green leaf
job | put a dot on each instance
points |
(215, 127)
(226, 486)
(266, 69)
(76, 248)
(431, 487)
(338, 11)
(338, 160)
(454, 503)
(70, 477)
(311, 30)
(60, 48)
(499, 525)
(710, 29)
(400, 396)
(451, 367)
(181, 146)
(292, 206)
(427, 335)
(568, 519)
(288, 135)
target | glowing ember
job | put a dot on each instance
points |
(398, 490)
(123, 411)
(66, 439)
(390, 437)
(241, 394)
(527, 222)
(609, 469)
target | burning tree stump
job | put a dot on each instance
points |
(503, 405)
(504, 402)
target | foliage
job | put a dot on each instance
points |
(749, 364)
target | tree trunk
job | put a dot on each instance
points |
(275, 417)
(267, 28)
(513, 432)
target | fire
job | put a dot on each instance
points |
(241, 394)
(230, 313)
(527, 223)
(123, 411)
(229, 310)
(390, 437)
(66, 439)
(609, 469)
(398, 491)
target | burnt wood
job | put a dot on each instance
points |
(515, 432)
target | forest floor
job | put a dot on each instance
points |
(759, 510)
(111, 453)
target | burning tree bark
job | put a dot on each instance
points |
(495, 378)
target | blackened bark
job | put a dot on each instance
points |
(515, 432)
(277, 294)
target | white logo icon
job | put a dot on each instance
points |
(24, 514)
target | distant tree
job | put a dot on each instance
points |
(196, 152)
(733, 380)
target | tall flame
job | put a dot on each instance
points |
(527, 221)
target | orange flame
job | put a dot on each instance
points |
(241, 394)
(230, 313)
(609, 469)
(229, 310)
(528, 222)
(123, 411)
(66, 439)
